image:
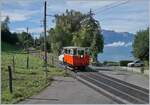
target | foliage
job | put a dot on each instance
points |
(141, 45)
(111, 63)
(77, 29)
(7, 47)
(146, 65)
(6, 35)
(15, 38)
(25, 39)
(124, 62)
(39, 44)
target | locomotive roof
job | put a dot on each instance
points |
(69, 47)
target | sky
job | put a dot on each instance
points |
(127, 16)
(118, 15)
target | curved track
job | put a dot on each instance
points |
(123, 90)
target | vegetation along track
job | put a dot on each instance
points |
(123, 90)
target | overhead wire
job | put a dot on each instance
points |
(111, 6)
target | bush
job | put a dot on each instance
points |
(96, 64)
(146, 65)
(124, 62)
(111, 63)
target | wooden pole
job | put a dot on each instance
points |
(10, 79)
(45, 47)
(27, 50)
(13, 63)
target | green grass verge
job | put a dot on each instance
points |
(26, 82)
(8, 47)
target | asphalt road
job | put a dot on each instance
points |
(67, 90)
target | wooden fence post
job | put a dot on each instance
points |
(13, 60)
(27, 61)
(52, 60)
(10, 79)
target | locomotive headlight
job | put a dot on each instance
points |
(81, 56)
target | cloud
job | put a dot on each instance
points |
(118, 44)
(18, 15)
(128, 44)
(79, 5)
(88, 3)
(129, 17)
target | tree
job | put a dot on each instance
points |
(90, 36)
(77, 29)
(5, 30)
(141, 45)
(25, 39)
(6, 35)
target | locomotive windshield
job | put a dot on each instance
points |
(80, 52)
(76, 50)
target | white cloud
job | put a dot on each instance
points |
(119, 44)
(128, 44)
(15, 16)
(21, 3)
(18, 15)
(79, 5)
(88, 3)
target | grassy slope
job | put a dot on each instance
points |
(26, 82)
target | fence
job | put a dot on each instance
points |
(123, 68)
(16, 66)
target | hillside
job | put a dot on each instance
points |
(120, 48)
(113, 36)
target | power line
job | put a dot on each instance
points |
(103, 10)
(106, 6)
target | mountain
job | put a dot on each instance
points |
(112, 36)
(118, 46)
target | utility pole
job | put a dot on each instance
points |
(44, 22)
(45, 47)
(27, 48)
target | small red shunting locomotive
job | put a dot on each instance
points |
(75, 57)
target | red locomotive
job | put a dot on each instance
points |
(75, 57)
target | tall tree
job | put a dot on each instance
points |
(141, 45)
(25, 39)
(6, 35)
(90, 36)
(77, 29)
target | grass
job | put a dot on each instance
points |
(26, 82)
(9, 48)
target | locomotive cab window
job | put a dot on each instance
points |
(74, 51)
(65, 51)
(80, 52)
(71, 52)
(87, 51)
(68, 51)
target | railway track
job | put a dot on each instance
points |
(118, 90)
